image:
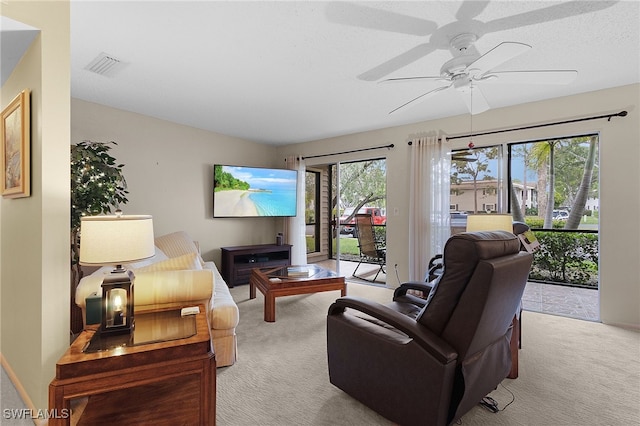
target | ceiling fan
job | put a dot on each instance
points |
(471, 16)
(467, 70)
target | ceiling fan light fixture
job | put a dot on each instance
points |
(462, 42)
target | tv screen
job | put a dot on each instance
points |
(240, 191)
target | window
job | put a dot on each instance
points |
(556, 181)
(476, 180)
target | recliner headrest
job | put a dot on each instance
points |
(480, 245)
(462, 252)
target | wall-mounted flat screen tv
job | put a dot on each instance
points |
(241, 191)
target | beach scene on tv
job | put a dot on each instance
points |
(253, 191)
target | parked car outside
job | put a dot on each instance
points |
(560, 215)
(378, 218)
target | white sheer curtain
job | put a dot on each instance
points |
(295, 226)
(429, 202)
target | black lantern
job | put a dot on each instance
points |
(117, 303)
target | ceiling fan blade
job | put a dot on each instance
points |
(470, 9)
(480, 103)
(413, 79)
(359, 15)
(546, 14)
(421, 98)
(531, 77)
(496, 56)
(397, 62)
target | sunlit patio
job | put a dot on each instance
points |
(573, 302)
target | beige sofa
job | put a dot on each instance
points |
(177, 276)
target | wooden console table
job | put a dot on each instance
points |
(237, 262)
(170, 380)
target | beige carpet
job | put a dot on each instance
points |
(572, 372)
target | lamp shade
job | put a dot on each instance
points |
(489, 222)
(114, 240)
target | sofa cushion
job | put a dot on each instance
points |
(186, 261)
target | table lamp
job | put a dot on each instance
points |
(115, 240)
(489, 222)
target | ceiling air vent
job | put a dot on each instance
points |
(105, 64)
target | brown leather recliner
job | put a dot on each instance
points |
(431, 366)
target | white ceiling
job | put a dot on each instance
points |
(288, 72)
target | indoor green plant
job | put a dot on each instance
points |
(97, 186)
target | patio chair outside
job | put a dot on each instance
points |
(371, 250)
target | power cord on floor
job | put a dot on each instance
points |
(513, 397)
(492, 405)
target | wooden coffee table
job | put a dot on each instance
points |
(290, 280)
(166, 374)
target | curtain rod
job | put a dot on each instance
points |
(535, 126)
(349, 152)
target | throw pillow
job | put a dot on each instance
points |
(176, 244)
(184, 262)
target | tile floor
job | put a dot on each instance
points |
(581, 303)
(572, 302)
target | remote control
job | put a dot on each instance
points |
(190, 311)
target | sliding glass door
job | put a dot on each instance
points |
(357, 187)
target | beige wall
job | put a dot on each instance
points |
(34, 231)
(619, 178)
(169, 172)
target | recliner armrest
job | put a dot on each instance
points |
(400, 293)
(424, 337)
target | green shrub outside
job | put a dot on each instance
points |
(566, 257)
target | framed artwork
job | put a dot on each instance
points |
(14, 129)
